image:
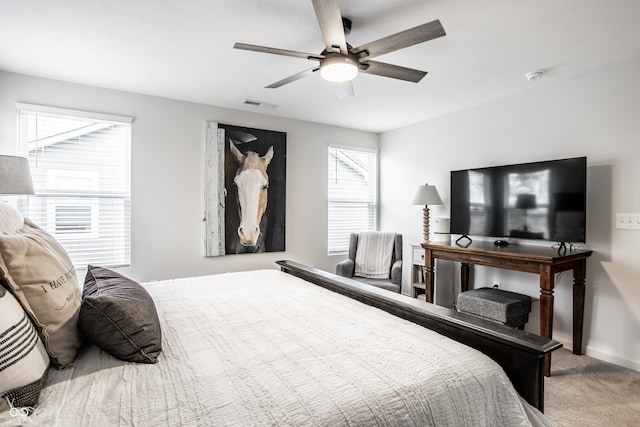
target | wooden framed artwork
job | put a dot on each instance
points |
(245, 186)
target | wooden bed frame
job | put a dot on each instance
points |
(519, 353)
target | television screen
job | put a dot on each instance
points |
(542, 200)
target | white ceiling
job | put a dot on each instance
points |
(183, 49)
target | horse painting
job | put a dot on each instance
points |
(245, 190)
(252, 184)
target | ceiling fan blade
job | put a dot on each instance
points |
(330, 20)
(393, 71)
(276, 51)
(292, 78)
(410, 37)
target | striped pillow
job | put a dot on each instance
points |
(23, 358)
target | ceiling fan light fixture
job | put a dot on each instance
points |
(339, 68)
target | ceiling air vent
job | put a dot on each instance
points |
(260, 104)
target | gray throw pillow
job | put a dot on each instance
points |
(118, 315)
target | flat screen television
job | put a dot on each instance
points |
(540, 201)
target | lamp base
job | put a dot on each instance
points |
(425, 224)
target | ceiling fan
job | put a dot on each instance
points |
(340, 62)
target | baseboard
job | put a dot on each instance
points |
(601, 355)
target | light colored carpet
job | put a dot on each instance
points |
(583, 391)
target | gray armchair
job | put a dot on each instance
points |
(393, 282)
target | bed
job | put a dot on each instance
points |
(266, 347)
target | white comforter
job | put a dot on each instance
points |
(264, 348)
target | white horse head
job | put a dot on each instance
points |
(252, 183)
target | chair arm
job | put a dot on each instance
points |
(345, 268)
(396, 273)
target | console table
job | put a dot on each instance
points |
(543, 261)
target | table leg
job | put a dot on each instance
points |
(546, 311)
(428, 276)
(464, 276)
(579, 274)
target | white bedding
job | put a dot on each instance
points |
(265, 348)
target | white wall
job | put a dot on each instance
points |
(596, 115)
(167, 174)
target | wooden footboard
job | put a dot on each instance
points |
(520, 353)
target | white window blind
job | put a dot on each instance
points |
(352, 195)
(80, 164)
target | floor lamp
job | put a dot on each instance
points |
(426, 195)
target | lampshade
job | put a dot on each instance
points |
(426, 195)
(339, 67)
(15, 176)
(526, 201)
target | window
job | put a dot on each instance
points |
(352, 195)
(81, 174)
(74, 219)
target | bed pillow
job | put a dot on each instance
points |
(10, 219)
(119, 316)
(23, 358)
(40, 275)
